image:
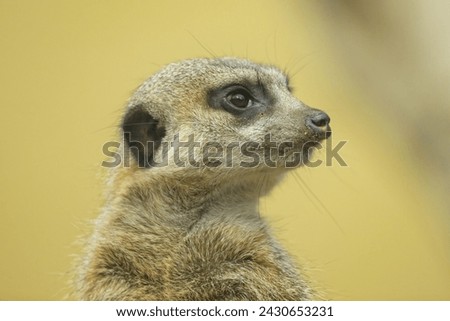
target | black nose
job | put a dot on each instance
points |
(319, 123)
(320, 120)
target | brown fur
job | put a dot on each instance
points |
(171, 233)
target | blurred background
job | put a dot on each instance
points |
(376, 229)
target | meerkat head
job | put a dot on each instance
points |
(223, 114)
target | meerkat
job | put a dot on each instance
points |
(183, 223)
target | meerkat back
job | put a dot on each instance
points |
(202, 141)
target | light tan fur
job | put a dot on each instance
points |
(195, 233)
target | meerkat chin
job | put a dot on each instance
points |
(202, 141)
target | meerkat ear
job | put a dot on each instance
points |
(142, 135)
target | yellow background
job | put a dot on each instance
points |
(66, 70)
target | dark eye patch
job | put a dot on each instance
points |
(242, 100)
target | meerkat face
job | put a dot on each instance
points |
(220, 113)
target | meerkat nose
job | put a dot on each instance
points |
(320, 120)
(319, 123)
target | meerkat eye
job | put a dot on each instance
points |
(239, 98)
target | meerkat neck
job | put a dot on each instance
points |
(185, 200)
